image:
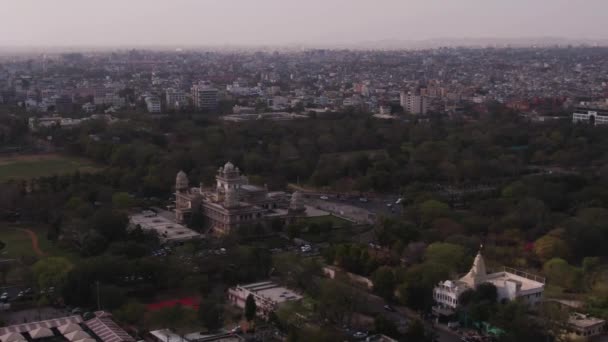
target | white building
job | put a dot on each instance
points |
(153, 104)
(414, 104)
(204, 96)
(510, 284)
(175, 99)
(590, 116)
(268, 296)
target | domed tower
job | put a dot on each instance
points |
(181, 182)
(228, 177)
(296, 205)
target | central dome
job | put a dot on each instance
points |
(228, 167)
(181, 181)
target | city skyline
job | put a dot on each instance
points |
(273, 22)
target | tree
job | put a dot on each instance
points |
(452, 256)
(432, 209)
(293, 230)
(51, 271)
(560, 273)
(551, 246)
(111, 224)
(250, 308)
(385, 326)
(384, 282)
(131, 312)
(417, 332)
(210, 314)
(122, 201)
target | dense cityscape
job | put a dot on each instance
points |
(442, 191)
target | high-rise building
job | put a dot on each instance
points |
(204, 96)
(175, 98)
(153, 104)
(414, 104)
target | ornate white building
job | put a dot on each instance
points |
(232, 202)
(510, 283)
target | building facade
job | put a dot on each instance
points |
(582, 325)
(510, 284)
(175, 99)
(204, 96)
(232, 202)
(153, 104)
(267, 295)
(414, 104)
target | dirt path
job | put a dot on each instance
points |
(34, 239)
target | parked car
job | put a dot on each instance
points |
(325, 198)
(389, 308)
(453, 325)
(359, 335)
(363, 199)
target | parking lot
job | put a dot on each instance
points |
(359, 209)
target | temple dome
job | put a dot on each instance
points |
(228, 167)
(181, 181)
(477, 274)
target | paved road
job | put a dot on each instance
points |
(376, 305)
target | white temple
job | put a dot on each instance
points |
(510, 283)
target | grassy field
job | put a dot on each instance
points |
(32, 166)
(19, 244)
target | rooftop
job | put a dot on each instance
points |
(272, 291)
(51, 323)
(167, 335)
(584, 321)
(106, 329)
(168, 230)
(499, 279)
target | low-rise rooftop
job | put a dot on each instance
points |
(167, 230)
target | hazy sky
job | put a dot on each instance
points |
(252, 22)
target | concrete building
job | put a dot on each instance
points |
(153, 104)
(204, 96)
(413, 104)
(594, 117)
(231, 204)
(510, 283)
(586, 326)
(175, 99)
(268, 296)
(167, 230)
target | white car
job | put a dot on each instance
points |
(363, 199)
(359, 335)
(325, 198)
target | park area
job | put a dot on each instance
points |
(23, 242)
(33, 166)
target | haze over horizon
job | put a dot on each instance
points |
(32, 23)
